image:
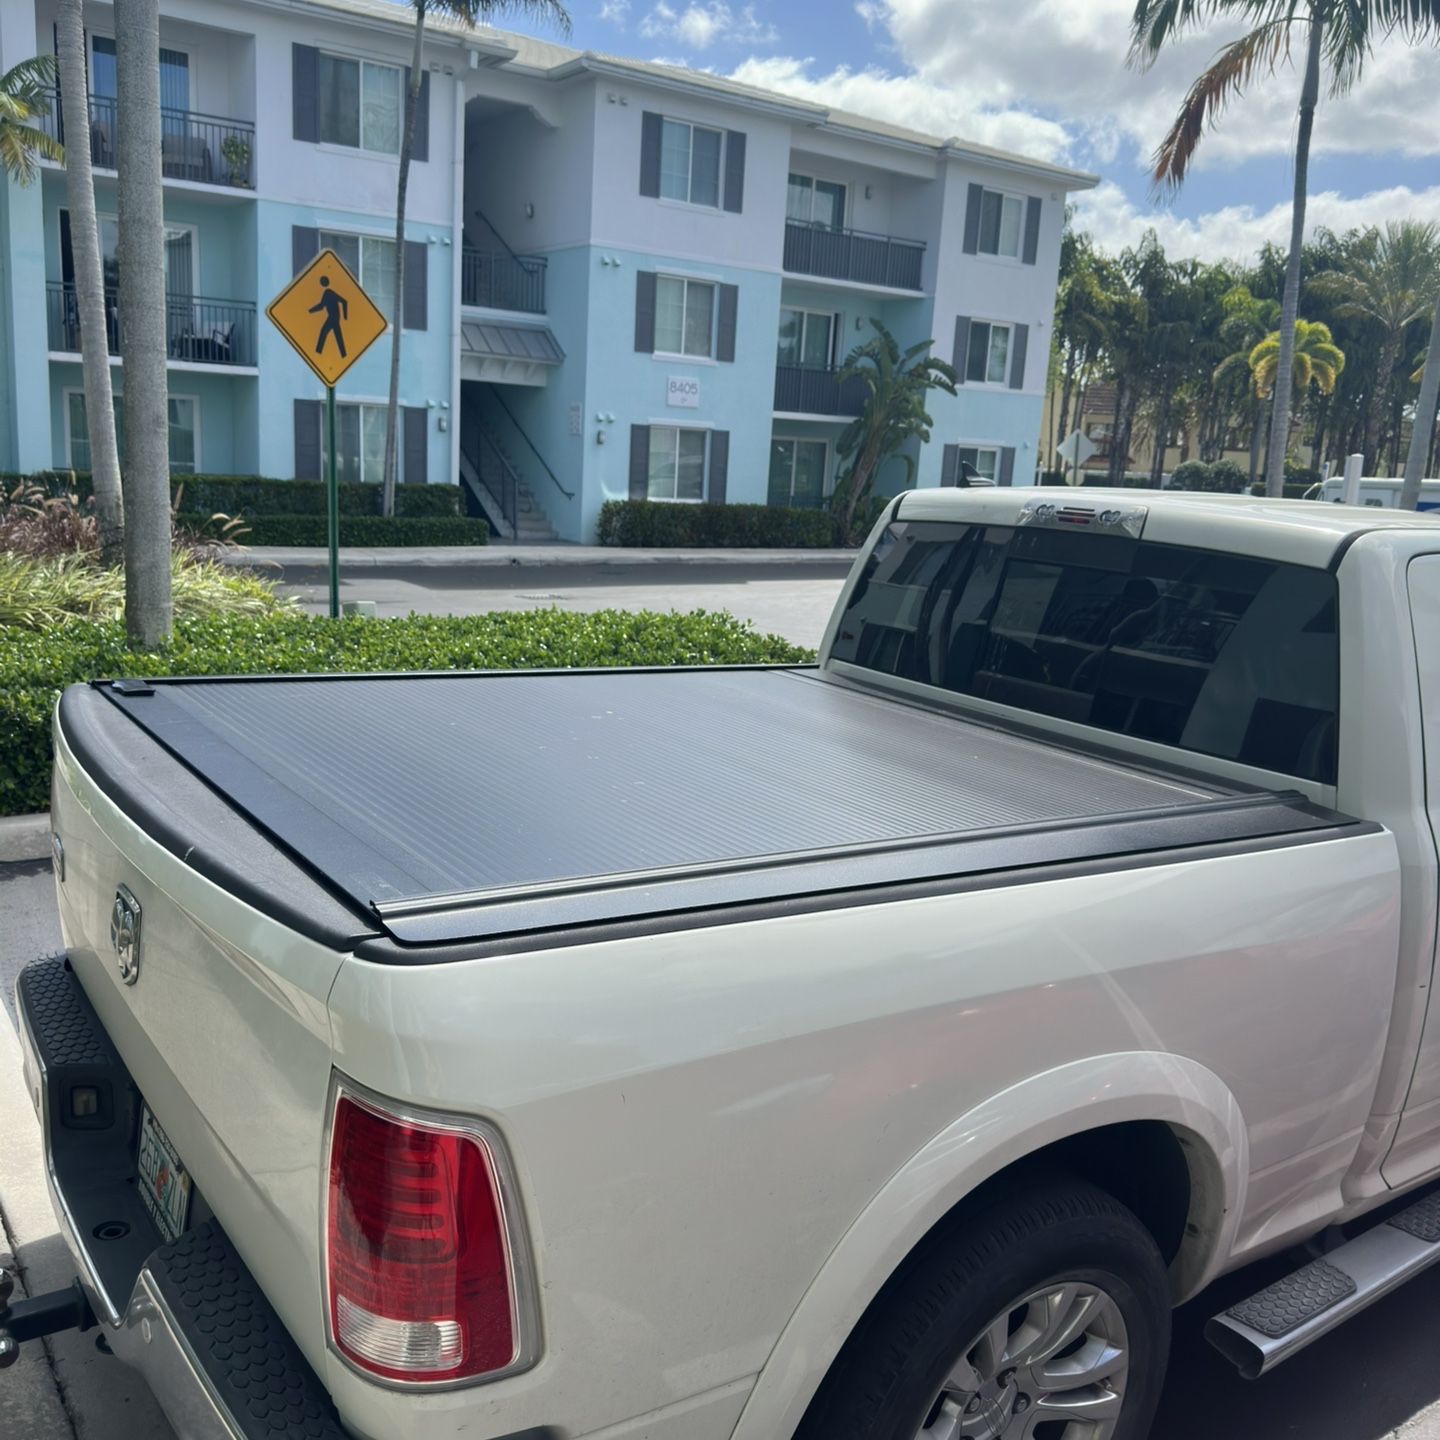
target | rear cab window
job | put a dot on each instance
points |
(1222, 655)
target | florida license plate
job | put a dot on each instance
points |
(164, 1185)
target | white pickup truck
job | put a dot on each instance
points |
(871, 1051)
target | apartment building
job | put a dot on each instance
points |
(623, 279)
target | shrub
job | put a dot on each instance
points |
(1190, 475)
(1229, 476)
(365, 530)
(638, 523)
(35, 667)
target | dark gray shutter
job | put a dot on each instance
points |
(725, 325)
(1019, 348)
(420, 144)
(645, 311)
(719, 466)
(1007, 465)
(962, 346)
(1032, 230)
(950, 465)
(735, 170)
(974, 198)
(650, 125)
(307, 439)
(415, 469)
(304, 247)
(639, 462)
(305, 91)
(417, 285)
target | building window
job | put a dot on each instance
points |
(690, 163)
(184, 436)
(987, 362)
(797, 473)
(684, 316)
(371, 261)
(359, 444)
(1002, 222)
(821, 203)
(806, 338)
(677, 464)
(983, 462)
(360, 104)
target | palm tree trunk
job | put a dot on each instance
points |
(1425, 407)
(1067, 393)
(1257, 437)
(402, 186)
(1290, 307)
(142, 323)
(89, 284)
(1379, 398)
(1162, 434)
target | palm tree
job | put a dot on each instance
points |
(1317, 361)
(146, 473)
(90, 287)
(1423, 429)
(468, 13)
(1341, 36)
(1247, 322)
(894, 413)
(25, 96)
(1390, 278)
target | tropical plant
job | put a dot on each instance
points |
(25, 91)
(1340, 39)
(1422, 430)
(90, 288)
(1081, 310)
(1247, 322)
(468, 13)
(896, 385)
(146, 470)
(1316, 360)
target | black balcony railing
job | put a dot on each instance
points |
(211, 332)
(498, 280)
(209, 148)
(807, 390)
(853, 255)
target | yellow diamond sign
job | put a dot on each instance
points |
(327, 317)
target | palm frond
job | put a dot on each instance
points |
(28, 81)
(483, 12)
(21, 146)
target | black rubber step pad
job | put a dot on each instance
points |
(65, 1028)
(1422, 1219)
(1280, 1308)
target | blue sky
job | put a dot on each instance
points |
(1048, 78)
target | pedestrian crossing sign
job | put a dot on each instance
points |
(327, 317)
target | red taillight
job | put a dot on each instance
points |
(420, 1276)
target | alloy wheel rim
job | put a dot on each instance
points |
(1051, 1365)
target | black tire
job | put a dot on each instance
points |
(886, 1379)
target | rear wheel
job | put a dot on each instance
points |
(1044, 1317)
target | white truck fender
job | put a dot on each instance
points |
(1020, 1121)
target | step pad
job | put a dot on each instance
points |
(1280, 1308)
(1422, 1219)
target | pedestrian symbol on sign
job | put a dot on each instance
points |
(327, 317)
(335, 307)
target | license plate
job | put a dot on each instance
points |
(164, 1185)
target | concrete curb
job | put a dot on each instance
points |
(24, 837)
(268, 557)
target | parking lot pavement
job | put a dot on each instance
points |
(1372, 1379)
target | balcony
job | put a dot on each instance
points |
(810, 390)
(207, 148)
(198, 330)
(853, 255)
(499, 280)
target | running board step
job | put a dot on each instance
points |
(1269, 1327)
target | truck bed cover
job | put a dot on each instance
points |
(459, 807)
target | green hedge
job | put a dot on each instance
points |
(360, 530)
(35, 667)
(639, 523)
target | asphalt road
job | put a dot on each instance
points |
(1363, 1382)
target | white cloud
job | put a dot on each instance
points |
(700, 25)
(872, 12)
(615, 11)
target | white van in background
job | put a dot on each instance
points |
(1384, 494)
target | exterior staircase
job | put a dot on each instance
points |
(492, 477)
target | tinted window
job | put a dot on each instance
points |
(1215, 653)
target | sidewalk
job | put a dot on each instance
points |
(354, 557)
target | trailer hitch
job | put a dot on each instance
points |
(66, 1309)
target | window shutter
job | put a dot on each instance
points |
(1007, 465)
(975, 197)
(719, 466)
(1019, 347)
(307, 439)
(305, 91)
(416, 467)
(417, 285)
(725, 328)
(1032, 230)
(950, 465)
(735, 170)
(67, 250)
(304, 247)
(645, 311)
(639, 462)
(420, 143)
(650, 124)
(962, 346)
